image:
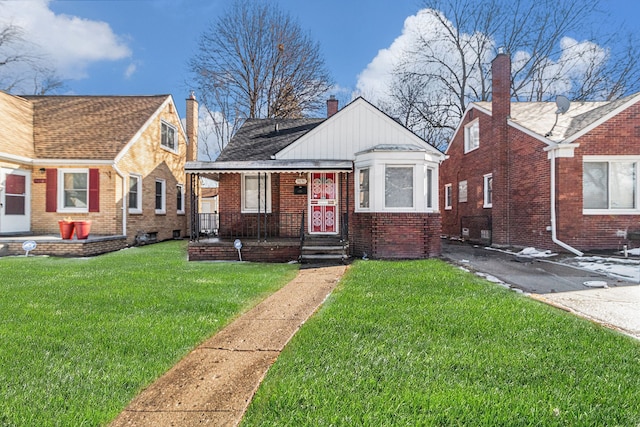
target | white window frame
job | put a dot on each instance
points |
(487, 202)
(138, 209)
(609, 210)
(163, 209)
(430, 187)
(413, 187)
(244, 209)
(61, 174)
(180, 192)
(463, 190)
(359, 207)
(448, 196)
(472, 136)
(173, 149)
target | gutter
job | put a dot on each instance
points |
(124, 198)
(554, 234)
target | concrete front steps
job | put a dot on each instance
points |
(324, 249)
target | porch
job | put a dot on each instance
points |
(265, 237)
(54, 245)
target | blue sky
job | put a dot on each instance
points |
(142, 46)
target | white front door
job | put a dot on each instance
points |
(15, 201)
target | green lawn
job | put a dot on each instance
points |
(81, 337)
(425, 343)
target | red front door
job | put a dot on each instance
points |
(323, 203)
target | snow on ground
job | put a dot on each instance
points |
(623, 268)
(627, 269)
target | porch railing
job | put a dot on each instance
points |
(258, 226)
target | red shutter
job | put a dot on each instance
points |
(94, 190)
(52, 191)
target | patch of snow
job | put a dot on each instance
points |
(622, 268)
(535, 253)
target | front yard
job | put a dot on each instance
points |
(398, 343)
(81, 337)
(424, 343)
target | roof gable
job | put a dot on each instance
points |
(357, 127)
(16, 126)
(90, 127)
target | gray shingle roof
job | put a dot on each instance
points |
(258, 139)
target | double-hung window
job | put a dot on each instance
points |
(398, 187)
(472, 136)
(363, 188)
(135, 193)
(610, 185)
(168, 136)
(488, 191)
(73, 190)
(256, 193)
(462, 191)
(161, 196)
(180, 198)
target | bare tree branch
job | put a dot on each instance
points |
(255, 61)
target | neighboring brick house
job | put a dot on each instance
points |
(532, 174)
(115, 160)
(358, 175)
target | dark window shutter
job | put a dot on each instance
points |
(52, 190)
(94, 190)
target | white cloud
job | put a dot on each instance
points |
(70, 42)
(131, 69)
(374, 79)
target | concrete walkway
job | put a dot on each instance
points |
(214, 384)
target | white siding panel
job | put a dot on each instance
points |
(357, 127)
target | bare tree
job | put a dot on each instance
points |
(450, 60)
(255, 62)
(21, 68)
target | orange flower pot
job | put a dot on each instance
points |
(66, 229)
(82, 229)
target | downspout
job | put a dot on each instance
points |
(124, 199)
(554, 235)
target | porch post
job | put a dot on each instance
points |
(259, 206)
(194, 226)
(265, 206)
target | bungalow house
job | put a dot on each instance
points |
(560, 176)
(357, 180)
(117, 161)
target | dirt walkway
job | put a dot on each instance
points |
(214, 383)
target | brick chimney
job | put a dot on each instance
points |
(332, 106)
(501, 160)
(501, 87)
(192, 128)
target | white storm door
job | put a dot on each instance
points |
(15, 201)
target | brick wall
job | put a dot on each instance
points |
(618, 136)
(396, 235)
(521, 213)
(380, 235)
(68, 248)
(251, 251)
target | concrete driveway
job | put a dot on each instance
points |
(610, 301)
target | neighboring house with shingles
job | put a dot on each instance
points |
(290, 187)
(117, 161)
(532, 174)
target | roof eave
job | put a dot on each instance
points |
(268, 166)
